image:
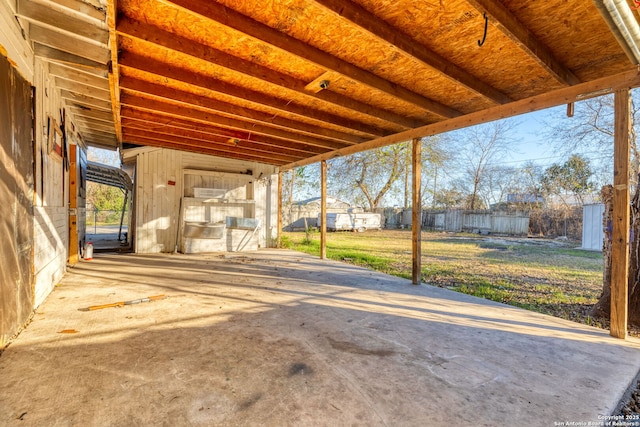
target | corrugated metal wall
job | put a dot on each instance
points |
(16, 201)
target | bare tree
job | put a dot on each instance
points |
(366, 178)
(480, 147)
(437, 160)
(499, 183)
(591, 129)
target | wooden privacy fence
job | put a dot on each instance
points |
(454, 220)
(457, 220)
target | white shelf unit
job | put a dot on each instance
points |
(237, 202)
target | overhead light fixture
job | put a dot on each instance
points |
(623, 25)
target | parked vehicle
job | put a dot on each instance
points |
(352, 221)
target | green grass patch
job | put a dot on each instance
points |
(536, 275)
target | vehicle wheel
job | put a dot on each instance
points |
(360, 229)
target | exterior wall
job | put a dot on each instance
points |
(16, 201)
(47, 216)
(12, 42)
(160, 183)
(157, 201)
(50, 251)
(51, 189)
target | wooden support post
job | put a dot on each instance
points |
(621, 208)
(74, 249)
(323, 209)
(416, 214)
(279, 220)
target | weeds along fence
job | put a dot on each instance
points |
(557, 222)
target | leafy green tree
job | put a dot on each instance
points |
(449, 197)
(104, 197)
(573, 177)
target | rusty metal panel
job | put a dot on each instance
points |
(16, 200)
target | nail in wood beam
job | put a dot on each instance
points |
(416, 214)
(620, 243)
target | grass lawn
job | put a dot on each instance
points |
(545, 276)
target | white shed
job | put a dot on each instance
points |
(592, 230)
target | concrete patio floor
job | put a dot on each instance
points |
(281, 338)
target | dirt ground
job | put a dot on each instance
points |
(282, 338)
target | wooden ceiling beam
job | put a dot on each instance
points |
(89, 125)
(100, 144)
(178, 111)
(384, 31)
(54, 54)
(97, 138)
(203, 102)
(195, 149)
(508, 24)
(86, 71)
(132, 60)
(114, 66)
(88, 131)
(68, 43)
(159, 123)
(198, 140)
(39, 12)
(84, 8)
(78, 76)
(629, 79)
(150, 34)
(223, 15)
(73, 99)
(103, 116)
(80, 88)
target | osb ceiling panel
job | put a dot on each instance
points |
(289, 82)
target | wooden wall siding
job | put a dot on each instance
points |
(51, 240)
(50, 173)
(16, 201)
(158, 204)
(12, 44)
(266, 191)
(50, 249)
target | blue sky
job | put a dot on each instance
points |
(532, 145)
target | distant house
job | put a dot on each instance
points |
(304, 214)
(523, 198)
(571, 200)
